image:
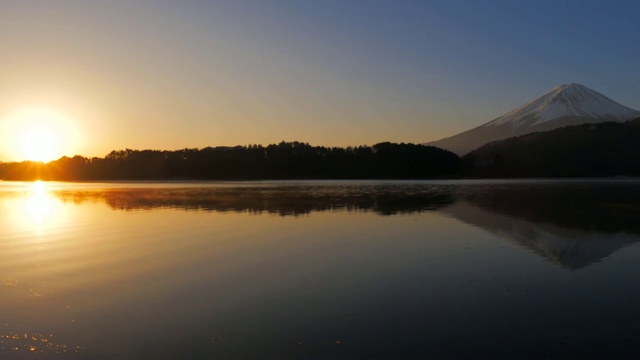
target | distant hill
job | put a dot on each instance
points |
(564, 105)
(588, 150)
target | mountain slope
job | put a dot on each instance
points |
(593, 150)
(564, 105)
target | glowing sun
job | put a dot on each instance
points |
(39, 144)
(39, 135)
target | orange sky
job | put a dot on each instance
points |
(115, 75)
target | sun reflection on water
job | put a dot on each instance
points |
(34, 343)
(33, 209)
(39, 205)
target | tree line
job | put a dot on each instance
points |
(590, 150)
(286, 160)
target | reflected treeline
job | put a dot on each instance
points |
(603, 207)
(572, 225)
(281, 200)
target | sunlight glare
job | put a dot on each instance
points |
(39, 204)
(38, 134)
(39, 144)
(34, 211)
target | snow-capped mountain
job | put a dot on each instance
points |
(564, 105)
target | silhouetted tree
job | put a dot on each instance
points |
(286, 160)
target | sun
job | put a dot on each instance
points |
(39, 143)
(38, 134)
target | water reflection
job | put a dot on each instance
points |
(571, 225)
(569, 248)
(34, 343)
(284, 201)
(31, 208)
(377, 270)
(38, 204)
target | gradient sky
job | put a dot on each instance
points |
(176, 74)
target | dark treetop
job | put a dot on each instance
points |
(286, 160)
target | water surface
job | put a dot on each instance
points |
(330, 269)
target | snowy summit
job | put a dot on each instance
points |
(566, 100)
(564, 105)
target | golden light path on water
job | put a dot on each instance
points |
(35, 210)
(38, 205)
(32, 221)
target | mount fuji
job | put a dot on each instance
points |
(564, 105)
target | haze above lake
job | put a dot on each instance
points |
(320, 269)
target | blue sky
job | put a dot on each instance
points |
(168, 74)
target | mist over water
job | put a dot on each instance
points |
(320, 269)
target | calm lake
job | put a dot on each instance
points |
(320, 269)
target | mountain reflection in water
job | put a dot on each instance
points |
(324, 269)
(570, 224)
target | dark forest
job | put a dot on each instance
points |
(604, 149)
(286, 160)
(590, 150)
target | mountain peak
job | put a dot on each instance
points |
(564, 105)
(573, 100)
